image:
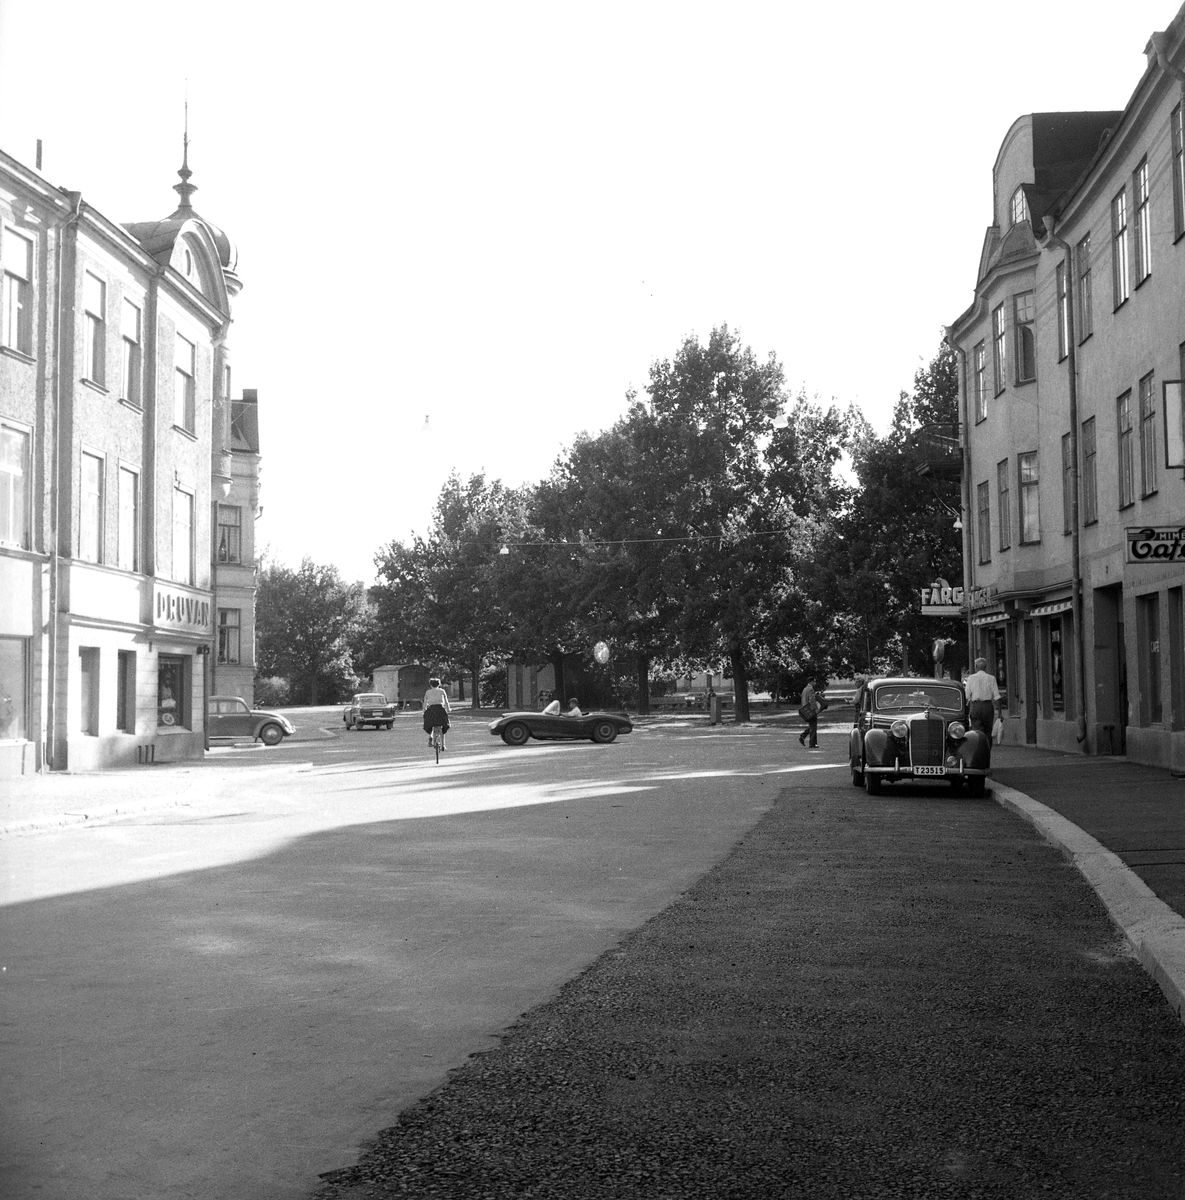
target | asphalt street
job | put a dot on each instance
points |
(695, 962)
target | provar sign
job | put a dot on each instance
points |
(1155, 544)
(179, 610)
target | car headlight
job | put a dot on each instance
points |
(957, 732)
(900, 730)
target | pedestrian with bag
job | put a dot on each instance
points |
(812, 704)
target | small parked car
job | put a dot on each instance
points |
(232, 717)
(908, 728)
(369, 708)
(515, 728)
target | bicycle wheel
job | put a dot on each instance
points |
(437, 738)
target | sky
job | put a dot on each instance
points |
(494, 218)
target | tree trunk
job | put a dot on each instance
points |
(475, 679)
(644, 685)
(557, 662)
(740, 683)
(313, 691)
(460, 686)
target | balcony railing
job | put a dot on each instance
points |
(940, 451)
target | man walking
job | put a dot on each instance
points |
(812, 703)
(983, 696)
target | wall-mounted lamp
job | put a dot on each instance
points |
(958, 524)
(504, 550)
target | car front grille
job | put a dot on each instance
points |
(927, 742)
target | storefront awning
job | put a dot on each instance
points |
(1047, 610)
(990, 618)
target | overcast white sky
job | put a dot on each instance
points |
(501, 214)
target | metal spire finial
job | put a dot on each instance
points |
(185, 189)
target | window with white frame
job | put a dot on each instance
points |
(1178, 173)
(1148, 439)
(1090, 473)
(129, 519)
(90, 508)
(16, 252)
(1127, 466)
(979, 359)
(230, 533)
(998, 347)
(130, 329)
(1030, 497)
(984, 504)
(1003, 504)
(1085, 297)
(94, 299)
(1018, 208)
(1025, 315)
(183, 571)
(229, 624)
(1119, 279)
(1143, 229)
(184, 384)
(1067, 485)
(15, 492)
(1062, 290)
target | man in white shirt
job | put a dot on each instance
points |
(983, 696)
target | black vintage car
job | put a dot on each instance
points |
(516, 728)
(917, 729)
(369, 708)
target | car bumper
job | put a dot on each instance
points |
(909, 772)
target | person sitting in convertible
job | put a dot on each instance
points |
(573, 709)
(436, 710)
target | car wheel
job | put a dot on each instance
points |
(872, 784)
(271, 735)
(976, 787)
(604, 732)
(390, 725)
(857, 779)
(516, 734)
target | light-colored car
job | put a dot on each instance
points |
(233, 717)
(369, 708)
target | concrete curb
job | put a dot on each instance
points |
(1155, 931)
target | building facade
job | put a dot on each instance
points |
(116, 454)
(1071, 358)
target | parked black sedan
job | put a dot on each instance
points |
(909, 728)
(517, 727)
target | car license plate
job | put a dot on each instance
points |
(929, 770)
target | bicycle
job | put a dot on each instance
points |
(437, 740)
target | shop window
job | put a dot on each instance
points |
(88, 708)
(125, 699)
(1148, 631)
(14, 688)
(998, 639)
(172, 692)
(1057, 674)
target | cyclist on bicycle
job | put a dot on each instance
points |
(436, 710)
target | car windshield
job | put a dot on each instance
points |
(371, 698)
(893, 697)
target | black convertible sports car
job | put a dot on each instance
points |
(517, 727)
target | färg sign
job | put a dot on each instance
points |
(941, 599)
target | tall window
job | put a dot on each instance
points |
(1119, 280)
(984, 502)
(1178, 173)
(228, 635)
(230, 533)
(172, 694)
(90, 509)
(1085, 297)
(182, 536)
(1030, 514)
(1127, 473)
(980, 368)
(1090, 473)
(129, 519)
(130, 329)
(1148, 631)
(1148, 459)
(14, 486)
(1003, 504)
(1018, 208)
(88, 707)
(1063, 311)
(14, 685)
(1067, 485)
(125, 692)
(17, 253)
(998, 346)
(1143, 230)
(1025, 313)
(94, 297)
(184, 395)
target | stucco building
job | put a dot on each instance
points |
(117, 475)
(1073, 444)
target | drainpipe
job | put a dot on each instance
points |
(1052, 239)
(51, 716)
(965, 492)
(1160, 46)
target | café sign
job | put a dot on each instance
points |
(1155, 544)
(182, 611)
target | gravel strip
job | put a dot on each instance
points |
(911, 997)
